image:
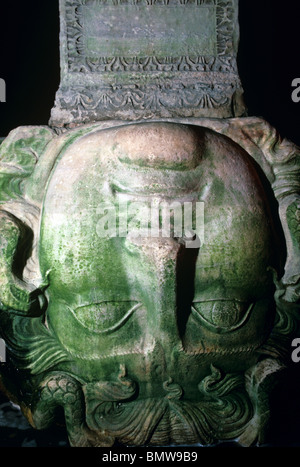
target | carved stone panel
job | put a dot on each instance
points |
(122, 328)
(147, 59)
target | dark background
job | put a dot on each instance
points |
(268, 62)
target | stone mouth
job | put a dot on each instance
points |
(151, 181)
(171, 192)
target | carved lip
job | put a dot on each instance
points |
(152, 181)
(156, 198)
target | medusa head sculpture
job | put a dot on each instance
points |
(149, 336)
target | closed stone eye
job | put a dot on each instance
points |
(107, 316)
(222, 316)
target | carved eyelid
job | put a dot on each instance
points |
(77, 312)
(235, 314)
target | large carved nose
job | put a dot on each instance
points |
(167, 270)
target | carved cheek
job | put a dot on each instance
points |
(233, 307)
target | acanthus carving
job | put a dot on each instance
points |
(224, 64)
(149, 98)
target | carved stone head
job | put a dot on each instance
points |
(149, 279)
